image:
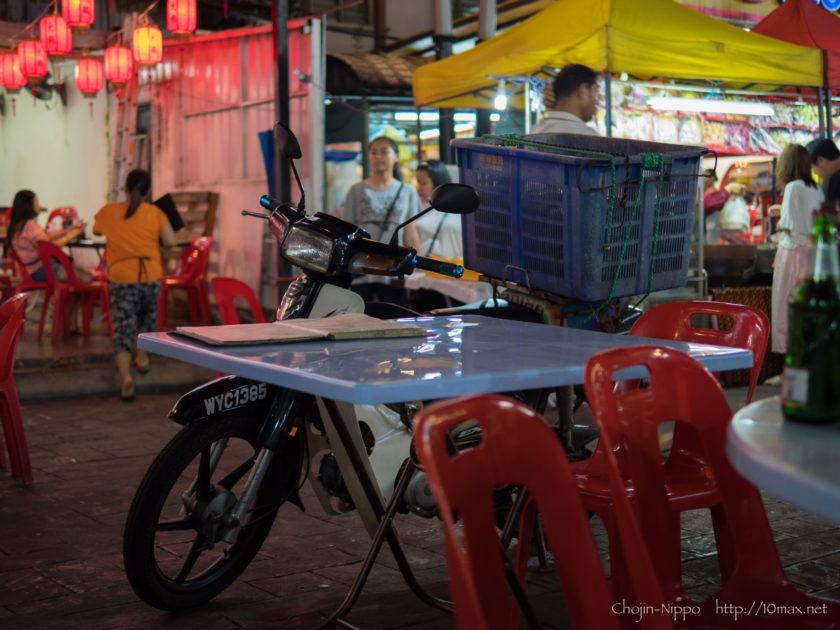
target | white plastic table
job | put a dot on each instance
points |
(470, 354)
(793, 461)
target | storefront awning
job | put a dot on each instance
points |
(807, 24)
(650, 39)
(371, 74)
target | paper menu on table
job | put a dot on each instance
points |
(338, 327)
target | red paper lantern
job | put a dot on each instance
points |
(89, 77)
(148, 45)
(180, 16)
(10, 75)
(118, 64)
(33, 61)
(78, 13)
(56, 37)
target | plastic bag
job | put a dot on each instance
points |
(734, 216)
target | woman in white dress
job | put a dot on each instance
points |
(793, 258)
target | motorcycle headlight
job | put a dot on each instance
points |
(308, 249)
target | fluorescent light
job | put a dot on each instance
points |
(428, 134)
(672, 103)
(464, 117)
(500, 102)
(412, 116)
(495, 117)
(464, 127)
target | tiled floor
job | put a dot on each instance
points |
(60, 541)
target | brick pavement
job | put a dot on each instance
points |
(60, 541)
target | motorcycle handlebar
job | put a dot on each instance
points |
(439, 266)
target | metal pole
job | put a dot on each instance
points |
(528, 105)
(829, 123)
(820, 111)
(379, 25)
(443, 44)
(608, 103)
(487, 22)
(281, 93)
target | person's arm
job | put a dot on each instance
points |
(65, 236)
(167, 235)
(411, 237)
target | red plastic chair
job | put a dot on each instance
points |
(88, 292)
(11, 323)
(513, 440)
(25, 284)
(227, 290)
(690, 486)
(681, 389)
(190, 276)
(65, 213)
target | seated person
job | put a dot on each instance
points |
(24, 233)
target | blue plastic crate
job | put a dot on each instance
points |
(543, 215)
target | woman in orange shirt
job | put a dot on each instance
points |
(133, 232)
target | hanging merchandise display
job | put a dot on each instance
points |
(730, 124)
(148, 45)
(78, 14)
(33, 61)
(119, 64)
(56, 37)
(180, 17)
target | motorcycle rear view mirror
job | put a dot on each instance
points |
(290, 148)
(287, 141)
(454, 199)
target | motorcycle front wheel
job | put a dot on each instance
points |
(172, 547)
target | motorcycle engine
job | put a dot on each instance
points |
(418, 497)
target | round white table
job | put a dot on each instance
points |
(796, 462)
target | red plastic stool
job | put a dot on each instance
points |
(189, 276)
(517, 448)
(227, 290)
(690, 486)
(682, 390)
(11, 323)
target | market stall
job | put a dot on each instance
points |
(618, 36)
(807, 24)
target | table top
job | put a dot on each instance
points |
(86, 243)
(793, 461)
(460, 355)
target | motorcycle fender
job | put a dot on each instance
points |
(225, 395)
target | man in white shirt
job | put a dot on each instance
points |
(576, 100)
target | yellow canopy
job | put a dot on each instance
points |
(645, 38)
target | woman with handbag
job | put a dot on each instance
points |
(378, 205)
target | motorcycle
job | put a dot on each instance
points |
(210, 498)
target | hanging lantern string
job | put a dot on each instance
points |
(29, 27)
(143, 15)
(53, 4)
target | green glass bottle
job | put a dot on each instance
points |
(811, 380)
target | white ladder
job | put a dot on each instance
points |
(125, 147)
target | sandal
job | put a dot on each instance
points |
(143, 368)
(127, 391)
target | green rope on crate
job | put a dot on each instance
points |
(650, 161)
